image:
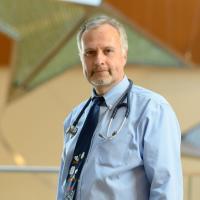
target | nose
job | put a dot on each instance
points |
(100, 58)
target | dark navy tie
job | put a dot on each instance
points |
(82, 147)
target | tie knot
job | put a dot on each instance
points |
(99, 100)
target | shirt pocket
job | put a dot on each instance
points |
(118, 151)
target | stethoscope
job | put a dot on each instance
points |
(72, 130)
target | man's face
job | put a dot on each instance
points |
(102, 57)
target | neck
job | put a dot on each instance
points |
(103, 89)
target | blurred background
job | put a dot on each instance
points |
(41, 81)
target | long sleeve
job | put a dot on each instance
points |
(162, 163)
(62, 173)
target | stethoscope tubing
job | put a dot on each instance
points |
(121, 104)
(73, 129)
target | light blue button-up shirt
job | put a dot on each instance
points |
(142, 162)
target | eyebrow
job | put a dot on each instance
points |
(88, 49)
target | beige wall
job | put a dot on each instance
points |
(32, 125)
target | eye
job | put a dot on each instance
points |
(108, 51)
(90, 53)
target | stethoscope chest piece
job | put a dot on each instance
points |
(72, 130)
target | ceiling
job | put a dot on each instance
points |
(173, 22)
(45, 41)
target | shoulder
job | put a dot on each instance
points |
(146, 102)
(74, 113)
(153, 111)
(144, 95)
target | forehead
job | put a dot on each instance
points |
(103, 33)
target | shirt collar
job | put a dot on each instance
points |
(112, 96)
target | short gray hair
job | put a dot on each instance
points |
(98, 21)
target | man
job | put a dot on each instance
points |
(133, 159)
